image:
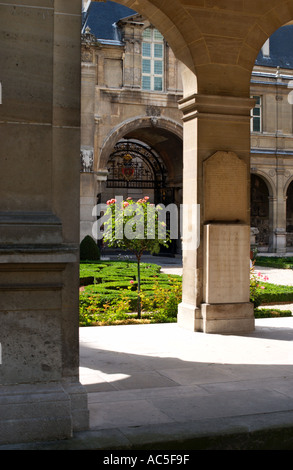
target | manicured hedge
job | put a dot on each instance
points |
(107, 282)
(274, 293)
(275, 262)
(271, 313)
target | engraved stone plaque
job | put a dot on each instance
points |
(226, 263)
(225, 188)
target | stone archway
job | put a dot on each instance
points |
(289, 217)
(39, 197)
(260, 211)
(156, 142)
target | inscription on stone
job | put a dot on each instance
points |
(226, 263)
(225, 187)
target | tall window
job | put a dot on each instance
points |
(256, 125)
(152, 60)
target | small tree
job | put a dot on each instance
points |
(135, 226)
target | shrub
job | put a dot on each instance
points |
(89, 250)
(275, 262)
(274, 293)
(257, 286)
(112, 299)
(271, 313)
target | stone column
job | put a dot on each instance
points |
(280, 214)
(217, 178)
(41, 397)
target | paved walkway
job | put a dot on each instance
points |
(162, 387)
(152, 384)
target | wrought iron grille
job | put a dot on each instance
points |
(134, 165)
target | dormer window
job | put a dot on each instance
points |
(152, 60)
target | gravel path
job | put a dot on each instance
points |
(277, 276)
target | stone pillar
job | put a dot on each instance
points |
(41, 397)
(132, 56)
(280, 213)
(216, 177)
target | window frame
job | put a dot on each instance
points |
(256, 118)
(153, 59)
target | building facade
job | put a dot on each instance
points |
(131, 85)
(131, 132)
(272, 144)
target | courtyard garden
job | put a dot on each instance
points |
(130, 291)
(108, 294)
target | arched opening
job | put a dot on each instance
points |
(289, 217)
(135, 169)
(131, 85)
(39, 187)
(260, 213)
(146, 162)
(271, 140)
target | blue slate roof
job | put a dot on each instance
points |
(281, 49)
(101, 18)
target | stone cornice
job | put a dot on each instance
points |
(230, 107)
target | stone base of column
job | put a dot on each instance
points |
(187, 316)
(42, 412)
(217, 318)
(227, 318)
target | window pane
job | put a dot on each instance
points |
(146, 49)
(256, 125)
(157, 35)
(158, 50)
(158, 84)
(256, 112)
(146, 83)
(146, 66)
(147, 33)
(158, 68)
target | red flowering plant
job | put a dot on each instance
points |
(256, 286)
(136, 227)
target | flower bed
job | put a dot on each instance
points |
(108, 294)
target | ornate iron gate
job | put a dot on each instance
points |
(135, 165)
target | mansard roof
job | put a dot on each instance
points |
(102, 17)
(280, 49)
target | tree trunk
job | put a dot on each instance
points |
(138, 290)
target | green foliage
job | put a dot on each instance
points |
(89, 250)
(110, 302)
(275, 293)
(271, 313)
(263, 292)
(275, 262)
(108, 294)
(134, 226)
(257, 285)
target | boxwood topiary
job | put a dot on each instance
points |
(89, 250)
